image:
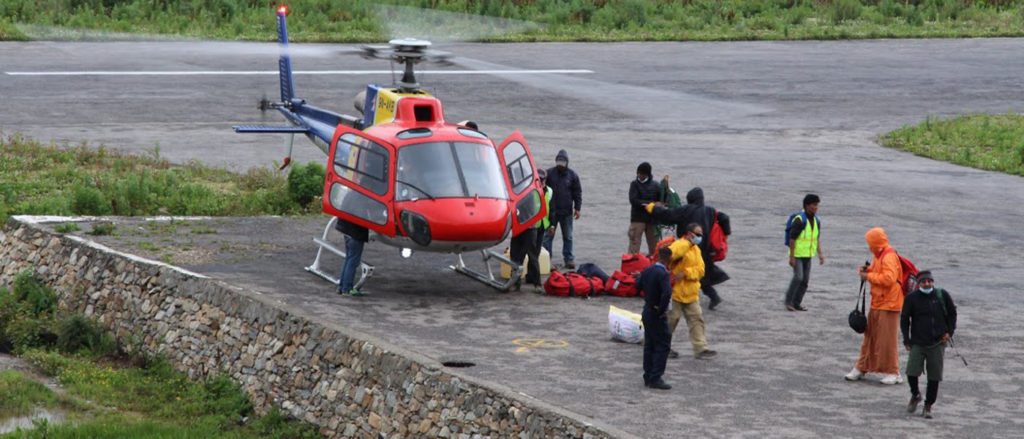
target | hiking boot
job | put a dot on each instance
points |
(800, 308)
(570, 265)
(659, 384)
(790, 308)
(927, 412)
(892, 379)
(673, 354)
(914, 401)
(854, 375)
(706, 354)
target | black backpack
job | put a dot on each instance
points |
(858, 317)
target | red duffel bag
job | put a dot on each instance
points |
(635, 263)
(570, 284)
(621, 284)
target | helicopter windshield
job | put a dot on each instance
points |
(449, 170)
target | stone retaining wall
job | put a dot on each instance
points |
(349, 384)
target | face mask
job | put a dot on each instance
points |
(561, 164)
(927, 291)
(642, 180)
(697, 240)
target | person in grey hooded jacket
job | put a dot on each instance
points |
(694, 211)
(566, 202)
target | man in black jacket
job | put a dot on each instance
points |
(643, 190)
(694, 211)
(566, 202)
(656, 287)
(927, 321)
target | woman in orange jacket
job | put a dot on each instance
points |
(879, 352)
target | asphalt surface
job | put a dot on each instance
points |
(757, 125)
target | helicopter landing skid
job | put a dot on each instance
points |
(365, 270)
(489, 279)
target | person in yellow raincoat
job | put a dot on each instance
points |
(687, 270)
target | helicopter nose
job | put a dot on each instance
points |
(461, 219)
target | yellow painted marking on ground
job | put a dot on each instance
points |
(543, 343)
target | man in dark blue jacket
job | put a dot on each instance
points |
(655, 285)
(928, 320)
(566, 202)
(355, 238)
(643, 190)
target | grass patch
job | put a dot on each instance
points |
(66, 228)
(992, 142)
(153, 401)
(555, 20)
(20, 394)
(42, 179)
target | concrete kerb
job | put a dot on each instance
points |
(197, 280)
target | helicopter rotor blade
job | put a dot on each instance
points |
(637, 101)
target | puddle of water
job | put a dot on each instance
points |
(26, 422)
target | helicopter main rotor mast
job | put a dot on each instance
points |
(407, 51)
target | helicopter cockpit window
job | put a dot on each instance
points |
(448, 170)
(472, 133)
(519, 170)
(362, 162)
(415, 133)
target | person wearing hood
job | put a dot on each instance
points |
(879, 351)
(642, 190)
(695, 211)
(566, 202)
(927, 321)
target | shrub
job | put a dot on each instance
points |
(77, 332)
(102, 228)
(846, 10)
(29, 289)
(88, 201)
(305, 183)
(66, 228)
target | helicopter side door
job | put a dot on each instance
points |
(359, 182)
(524, 188)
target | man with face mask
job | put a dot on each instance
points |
(643, 190)
(687, 270)
(566, 202)
(927, 321)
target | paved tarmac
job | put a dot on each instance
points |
(757, 125)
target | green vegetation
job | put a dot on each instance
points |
(984, 141)
(47, 180)
(20, 394)
(105, 397)
(67, 228)
(557, 20)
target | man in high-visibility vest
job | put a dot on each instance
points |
(803, 246)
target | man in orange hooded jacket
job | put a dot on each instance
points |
(879, 352)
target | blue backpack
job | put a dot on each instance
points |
(803, 217)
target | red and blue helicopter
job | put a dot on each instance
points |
(416, 181)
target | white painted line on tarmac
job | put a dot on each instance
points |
(297, 72)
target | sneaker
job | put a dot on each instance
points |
(570, 265)
(714, 304)
(355, 292)
(800, 308)
(790, 308)
(892, 379)
(927, 412)
(673, 354)
(706, 354)
(854, 375)
(914, 401)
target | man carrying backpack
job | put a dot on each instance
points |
(804, 228)
(927, 321)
